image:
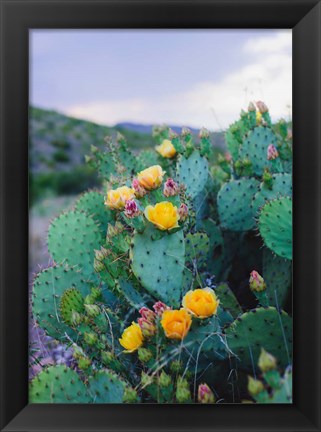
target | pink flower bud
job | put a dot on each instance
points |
(170, 188)
(183, 212)
(160, 307)
(204, 133)
(148, 328)
(205, 394)
(172, 135)
(139, 190)
(262, 107)
(251, 107)
(147, 314)
(272, 152)
(131, 209)
(147, 322)
(256, 282)
(185, 132)
(228, 156)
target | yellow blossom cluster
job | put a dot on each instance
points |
(164, 215)
(201, 303)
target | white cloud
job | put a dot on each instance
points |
(267, 76)
(280, 42)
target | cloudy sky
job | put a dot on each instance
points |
(179, 77)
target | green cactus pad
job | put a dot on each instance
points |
(261, 328)
(234, 204)
(232, 144)
(106, 387)
(214, 234)
(281, 186)
(224, 316)
(111, 261)
(284, 393)
(275, 226)
(118, 238)
(234, 136)
(124, 156)
(58, 384)
(254, 148)
(227, 299)
(92, 203)
(199, 206)
(131, 293)
(193, 173)
(277, 274)
(71, 301)
(197, 248)
(48, 289)
(72, 238)
(159, 264)
(205, 338)
(149, 158)
(105, 165)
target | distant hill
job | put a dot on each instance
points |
(147, 129)
(58, 142)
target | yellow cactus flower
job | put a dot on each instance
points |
(166, 149)
(151, 178)
(164, 215)
(201, 302)
(176, 323)
(132, 338)
(116, 198)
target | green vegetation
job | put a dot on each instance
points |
(155, 283)
(61, 183)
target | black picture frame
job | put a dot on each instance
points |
(17, 17)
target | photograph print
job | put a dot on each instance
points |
(160, 216)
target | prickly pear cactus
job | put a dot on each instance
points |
(134, 295)
(281, 185)
(124, 158)
(228, 299)
(148, 158)
(159, 264)
(261, 328)
(233, 143)
(213, 345)
(275, 226)
(92, 203)
(272, 387)
(234, 204)
(106, 387)
(71, 301)
(73, 238)
(155, 276)
(58, 384)
(193, 173)
(103, 162)
(197, 248)
(254, 147)
(283, 394)
(216, 244)
(48, 289)
(277, 273)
